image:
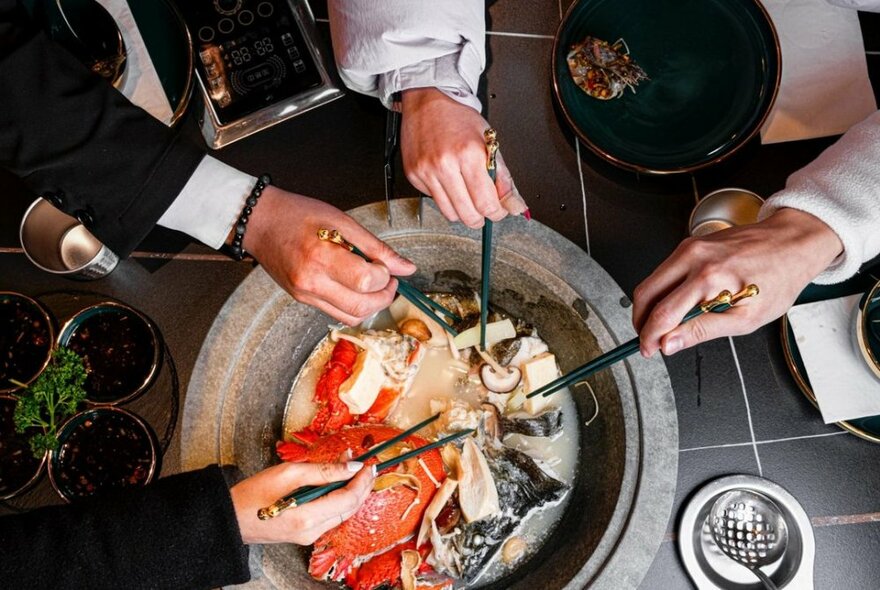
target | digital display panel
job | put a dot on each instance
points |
(250, 54)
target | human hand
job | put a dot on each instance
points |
(303, 524)
(780, 255)
(283, 236)
(444, 155)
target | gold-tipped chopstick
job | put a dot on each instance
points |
(491, 138)
(413, 295)
(724, 301)
(290, 500)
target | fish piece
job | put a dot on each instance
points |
(547, 423)
(523, 487)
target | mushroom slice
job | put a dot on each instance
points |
(500, 382)
(434, 508)
(477, 494)
(513, 550)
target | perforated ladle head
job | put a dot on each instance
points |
(750, 529)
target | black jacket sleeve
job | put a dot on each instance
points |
(179, 532)
(65, 129)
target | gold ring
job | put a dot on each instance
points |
(491, 138)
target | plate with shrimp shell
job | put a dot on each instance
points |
(713, 69)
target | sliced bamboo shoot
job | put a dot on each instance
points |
(477, 494)
(433, 510)
(495, 332)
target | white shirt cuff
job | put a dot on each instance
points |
(210, 202)
(446, 74)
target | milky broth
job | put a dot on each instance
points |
(438, 379)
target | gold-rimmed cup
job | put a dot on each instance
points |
(723, 209)
(121, 348)
(59, 244)
(23, 318)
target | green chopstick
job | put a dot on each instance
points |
(492, 148)
(301, 496)
(406, 290)
(723, 302)
(484, 281)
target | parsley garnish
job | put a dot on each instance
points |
(54, 396)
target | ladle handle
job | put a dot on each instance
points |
(765, 579)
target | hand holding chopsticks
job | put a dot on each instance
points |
(723, 302)
(306, 494)
(406, 290)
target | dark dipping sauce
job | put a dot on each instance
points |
(103, 449)
(17, 463)
(118, 349)
(25, 340)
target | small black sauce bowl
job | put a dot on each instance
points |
(120, 348)
(90, 446)
(12, 337)
(19, 469)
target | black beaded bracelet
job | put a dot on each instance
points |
(236, 250)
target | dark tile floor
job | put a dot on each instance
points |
(739, 410)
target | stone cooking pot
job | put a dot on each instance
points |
(622, 497)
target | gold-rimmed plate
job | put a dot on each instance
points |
(868, 328)
(867, 428)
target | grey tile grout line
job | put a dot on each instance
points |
(763, 442)
(494, 33)
(519, 35)
(742, 383)
(577, 149)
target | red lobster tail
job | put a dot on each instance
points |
(332, 413)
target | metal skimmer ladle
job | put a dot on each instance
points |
(750, 529)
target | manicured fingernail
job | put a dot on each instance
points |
(673, 345)
(354, 466)
(527, 214)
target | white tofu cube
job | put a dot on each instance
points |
(537, 373)
(361, 389)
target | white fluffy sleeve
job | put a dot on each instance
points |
(842, 188)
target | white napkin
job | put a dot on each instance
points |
(825, 87)
(845, 387)
(140, 82)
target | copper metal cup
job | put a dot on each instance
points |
(724, 208)
(57, 243)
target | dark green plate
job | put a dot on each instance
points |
(867, 428)
(714, 68)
